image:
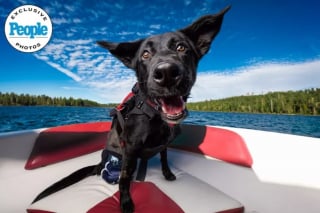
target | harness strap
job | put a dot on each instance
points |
(136, 103)
(120, 119)
(142, 108)
(125, 101)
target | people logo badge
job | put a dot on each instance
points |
(28, 28)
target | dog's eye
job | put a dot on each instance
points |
(181, 48)
(146, 55)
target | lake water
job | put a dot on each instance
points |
(21, 118)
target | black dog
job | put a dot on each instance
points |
(165, 66)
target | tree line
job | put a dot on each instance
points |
(305, 102)
(13, 99)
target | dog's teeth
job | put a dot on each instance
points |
(175, 116)
(164, 110)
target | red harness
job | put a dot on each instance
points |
(125, 100)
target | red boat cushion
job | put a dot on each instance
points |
(215, 142)
(65, 142)
(147, 198)
(37, 211)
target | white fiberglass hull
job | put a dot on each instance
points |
(284, 175)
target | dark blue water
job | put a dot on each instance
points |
(21, 118)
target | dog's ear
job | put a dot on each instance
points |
(125, 51)
(203, 31)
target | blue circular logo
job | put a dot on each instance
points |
(28, 28)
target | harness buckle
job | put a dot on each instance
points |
(139, 105)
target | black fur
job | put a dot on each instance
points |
(165, 66)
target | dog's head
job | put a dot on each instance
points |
(166, 64)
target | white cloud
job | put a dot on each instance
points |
(100, 72)
(155, 26)
(94, 68)
(70, 8)
(77, 20)
(113, 91)
(71, 88)
(257, 79)
(90, 66)
(65, 71)
(59, 21)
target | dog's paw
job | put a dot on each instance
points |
(127, 206)
(168, 175)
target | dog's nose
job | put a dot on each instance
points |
(167, 74)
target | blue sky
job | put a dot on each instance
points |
(267, 45)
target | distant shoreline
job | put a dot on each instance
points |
(253, 113)
(109, 107)
(303, 102)
(13, 99)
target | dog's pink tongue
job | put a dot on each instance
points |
(172, 105)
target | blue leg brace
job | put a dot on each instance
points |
(111, 170)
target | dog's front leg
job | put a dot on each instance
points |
(165, 167)
(129, 163)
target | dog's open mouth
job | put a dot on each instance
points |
(173, 109)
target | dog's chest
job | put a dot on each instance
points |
(159, 135)
(147, 133)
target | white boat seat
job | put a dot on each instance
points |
(186, 194)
